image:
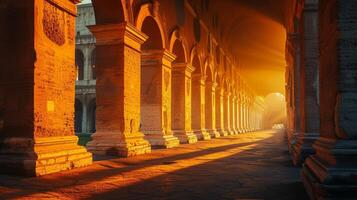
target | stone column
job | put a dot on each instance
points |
(239, 113)
(181, 103)
(219, 112)
(37, 79)
(210, 110)
(250, 112)
(156, 98)
(87, 67)
(118, 91)
(296, 129)
(248, 115)
(84, 116)
(198, 108)
(234, 115)
(245, 111)
(227, 113)
(331, 172)
(309, 108)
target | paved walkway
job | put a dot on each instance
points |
(247, 166)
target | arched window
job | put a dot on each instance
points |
(79, 64)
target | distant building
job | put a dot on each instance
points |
(85, 102)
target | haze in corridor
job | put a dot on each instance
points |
(274, 110)
(253, 30)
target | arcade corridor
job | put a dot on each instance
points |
(248, 166)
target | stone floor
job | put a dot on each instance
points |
(247, 166)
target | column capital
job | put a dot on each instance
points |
(123, 33)
(163, 55)
(183, 67)
(212, 85)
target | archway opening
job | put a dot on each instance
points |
(275, 113)
(196, 94)
(79, 56)
(151, 81)
(179, 90)
(209, 100)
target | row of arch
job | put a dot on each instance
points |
(186, 93)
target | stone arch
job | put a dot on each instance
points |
(178, 46)
(110, 11)
(195, 61)
(196, 90)
(153, 73)
(145, 22)
(208, 72)
(79, 60)
(209, 99)
(78, 116)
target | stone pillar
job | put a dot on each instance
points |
(87, 67)
(296, 129)
(218, 109)
(118, 91)
(227, 113)
(84, 116)
(223, 131)
(309, 108)
(210, 111)
(245, 111)
(156, 98)
(198, 108)
(37, 79)
(249, 107)
(331, 172)
(234, 115)
(181, 102)
(239, 113)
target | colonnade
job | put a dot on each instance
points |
(321, 95)
(156, 84)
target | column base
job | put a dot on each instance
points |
(303, 147)
(331, 172)
(118, 144)
(292, 140)
(235, 131)
(230, 132)
(214, 133)
(240, 130)
(222, 132)
(29, 157)
(185, 137)
(202, 134)
(161, 140)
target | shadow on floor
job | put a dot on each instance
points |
(262, 172)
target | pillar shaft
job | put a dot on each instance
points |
(210, 110)
(331, 172)
(309, 108)
(234, 115)
(37, 79)
(199, 107)
(118, 91)
(181, 102)
(156, 98)
(227, 113)
(220, 112)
